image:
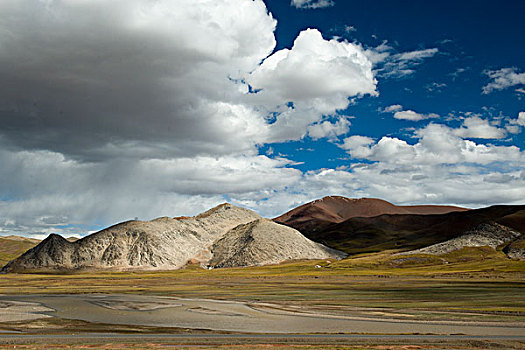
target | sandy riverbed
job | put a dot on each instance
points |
(223, 316)
(15, 311)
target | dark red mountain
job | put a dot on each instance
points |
(337, 209)
(371, 225)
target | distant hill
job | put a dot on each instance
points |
(229, 236)
(372, 225)
(489, 234)
(515, 220)
(315, 215)
(170, 243)
(14, 246)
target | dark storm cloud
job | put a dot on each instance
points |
(85, 79)
(123, 108)
(110, 110)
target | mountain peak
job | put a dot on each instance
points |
(54, 237)
(219, 208)
(168, 243)
(263, 242)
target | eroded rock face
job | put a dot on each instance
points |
(516, 250)
(263, 242)
(163, 243)
(488, 234)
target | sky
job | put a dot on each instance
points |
(111, 111)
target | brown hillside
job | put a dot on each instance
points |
(406, 231)
(13, 246)
(336, 209)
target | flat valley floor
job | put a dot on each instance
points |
(288, 306)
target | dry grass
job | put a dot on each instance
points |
(476, 284)
(163, 345)
(11, 248)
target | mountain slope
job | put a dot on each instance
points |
(163, 243)
(13, 246)
(264, 242)
(486, 234)
(336, 209)
(516, 250)
(404, 231)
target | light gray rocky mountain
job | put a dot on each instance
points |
(164, 243)
(263, 242)
(488, 234)
(516, 250)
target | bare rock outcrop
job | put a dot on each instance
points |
(164, 243)
(263, 242)
(516, 250)
(487, 234)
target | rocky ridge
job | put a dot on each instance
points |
(163, 243)
(487, 234)
(516, 250)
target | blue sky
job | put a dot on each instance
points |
(472, 37)
(146, 109)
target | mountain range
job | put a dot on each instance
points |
(314, 215)
(371, 225)
(328, 228)
(225, 236)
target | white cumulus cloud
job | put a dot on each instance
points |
(437, 144)
(400, 113)
(414, 116)
(315, 77)
(327, 129)
(520, 120)
(476, 127)
(358, 146)
(112, 110)
(441, 167)
(392, 108)
(515, 125)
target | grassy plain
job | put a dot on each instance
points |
(473, 284)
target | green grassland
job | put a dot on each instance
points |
(470, 284)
